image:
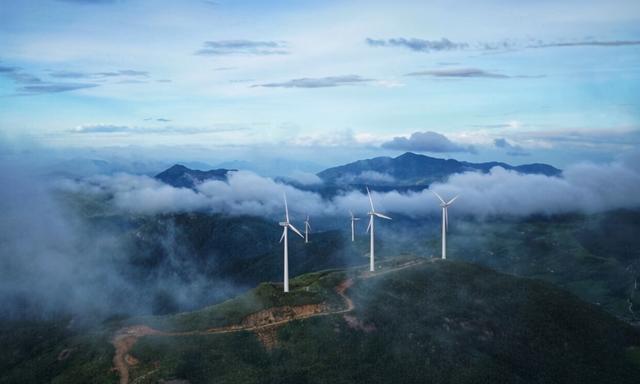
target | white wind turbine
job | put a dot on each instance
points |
(372, 214)
(307, 228)
(445, 221)
(286, 224)
(353, 226)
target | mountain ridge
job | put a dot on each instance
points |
(414, 169)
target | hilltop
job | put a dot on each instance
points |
(180, 176)
(413, 321)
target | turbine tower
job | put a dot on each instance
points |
(353, 226)
(373, 214)
(286, 224)
(445, 222)
(307, 228)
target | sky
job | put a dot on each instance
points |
(323, 82)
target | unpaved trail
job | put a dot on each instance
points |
(263, 323)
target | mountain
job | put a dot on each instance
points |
(418, 170)
(412, 321)
(180, 176)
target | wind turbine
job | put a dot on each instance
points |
(372, 214)
(353, 226)
(445, 221)
(307, 228)
(286, 225)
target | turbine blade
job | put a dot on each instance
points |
(438, 196)
(351, 213)
(370, 200)
(294, 229)
(452, 200)
(381, 215)
(282, 237)
(286, 208)
(369, 226)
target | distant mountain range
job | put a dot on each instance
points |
(411, 169)
(180, 176)
(406, 171)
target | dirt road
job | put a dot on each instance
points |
(263, 322)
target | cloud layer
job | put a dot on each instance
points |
(419, 45)
(28, 84)
(425, 142)
(319, 82)
(243, 47)
(582, 188)
(424, 45)
(459, 72)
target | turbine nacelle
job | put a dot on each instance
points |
(445, 204)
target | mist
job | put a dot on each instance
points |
(55, 260)
(584, 187)
(112, 244)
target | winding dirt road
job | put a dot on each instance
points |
(263, 322)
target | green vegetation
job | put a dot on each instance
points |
(441, 322)
(54, 352)
(437, 322)
(312, 288)
(596, 257)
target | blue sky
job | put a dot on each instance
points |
(324, 82)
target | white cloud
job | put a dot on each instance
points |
(584, 187)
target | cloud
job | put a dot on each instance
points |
(19, 76)
(98, 75)
(514, 124)
(321, 82)
(426, 142)
(589, 43)
(57, 261)
(101, 128)
(53, 88)
(88, 1)
(304, 178)
(584, 187)
(418, 45)
(365, 177)
(422, 45)
(589, 138)
(243, 47)
(114, 128)
(29, 84)
(459, 72)
(512, 150)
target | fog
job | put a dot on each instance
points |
(584, 187)
(55, 261)
(61, 254)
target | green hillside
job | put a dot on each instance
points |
(413, 321)
(436, 322)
